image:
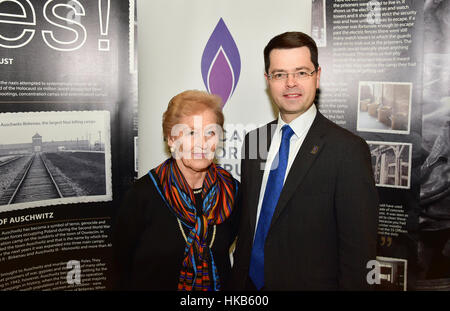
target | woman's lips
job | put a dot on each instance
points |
(199, 155)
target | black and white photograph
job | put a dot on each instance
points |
(384, 107)
(49, 158)
(318, 25)
(434, 225)
(393, 273)
(391, 163)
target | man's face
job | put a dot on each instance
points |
(293, 96)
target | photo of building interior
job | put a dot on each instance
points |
(384, 107)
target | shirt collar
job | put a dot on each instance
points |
(300, 124)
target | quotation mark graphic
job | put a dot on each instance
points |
(386, 241)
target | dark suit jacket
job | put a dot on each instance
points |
(324, 228)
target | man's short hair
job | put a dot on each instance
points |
(291, 40)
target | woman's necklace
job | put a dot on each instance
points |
(185, 238)
(197, 191)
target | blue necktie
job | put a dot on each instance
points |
(271, 196)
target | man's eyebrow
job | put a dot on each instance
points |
(303, 68)
(296, 69)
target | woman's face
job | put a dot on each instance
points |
(194, 140)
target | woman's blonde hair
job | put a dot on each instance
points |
(189, 103)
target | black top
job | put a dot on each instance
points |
(148, 243)
(198, 202)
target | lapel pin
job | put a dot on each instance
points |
(314, 149)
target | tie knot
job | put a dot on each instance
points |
(287, 132)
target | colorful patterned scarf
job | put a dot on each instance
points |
(218, 194)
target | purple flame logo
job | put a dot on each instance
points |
(221, 63)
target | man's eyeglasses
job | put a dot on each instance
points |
(299, 75)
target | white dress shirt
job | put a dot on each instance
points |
(300, 126)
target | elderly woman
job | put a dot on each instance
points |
(177, 223)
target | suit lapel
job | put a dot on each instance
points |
(308, 153)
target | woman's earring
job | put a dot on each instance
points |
(172, 149)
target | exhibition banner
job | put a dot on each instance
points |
(68, 122)
(374, 73)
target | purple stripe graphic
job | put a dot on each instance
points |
(220, 80)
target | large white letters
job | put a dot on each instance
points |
(63, 30)
(23, 19)
(72, 25)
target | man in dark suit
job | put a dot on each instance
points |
(310, 205)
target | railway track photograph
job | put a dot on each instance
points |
(58, 157)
